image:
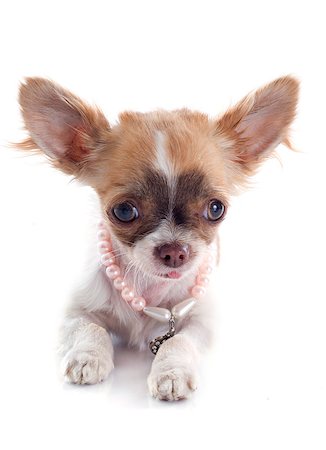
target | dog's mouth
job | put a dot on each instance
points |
(172, 275)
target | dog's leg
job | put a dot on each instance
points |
(87, 351)
(174, 370)
(86, 347)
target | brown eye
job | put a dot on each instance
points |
(125, 212)
(214, 210)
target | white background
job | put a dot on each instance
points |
(264, 384)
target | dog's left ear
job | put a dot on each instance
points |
(258, 123)
(60, 124)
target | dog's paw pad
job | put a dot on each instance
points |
(86, 367)
(174, 384)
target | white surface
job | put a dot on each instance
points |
(263, 385)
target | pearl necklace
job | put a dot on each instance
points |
(138, 303)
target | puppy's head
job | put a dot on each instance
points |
(164, 178)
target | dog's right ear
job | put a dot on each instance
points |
(60, 124)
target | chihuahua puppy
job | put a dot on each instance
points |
(164, 180)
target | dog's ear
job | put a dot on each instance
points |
(258, 123)
(65, 128)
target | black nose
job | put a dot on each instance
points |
(173, 255)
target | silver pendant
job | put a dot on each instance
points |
(156, 343)
(164, 315)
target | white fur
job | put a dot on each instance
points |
(163, 162)
(97, 310)
(164, 165)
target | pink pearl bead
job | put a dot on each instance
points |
(198, 291)
(104, 247)
(113, 271)
(103, 235)
(138, 303)
(206, 269)
(119, 283)
(202, 280)
(108, 259)
(101, 224)
(127, 294)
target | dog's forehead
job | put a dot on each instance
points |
(171, 160)
(170, 143)
(165, 138)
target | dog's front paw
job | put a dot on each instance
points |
(173, 384)
(86, 367)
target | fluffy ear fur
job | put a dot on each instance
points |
(60, 124)
(259, 122)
